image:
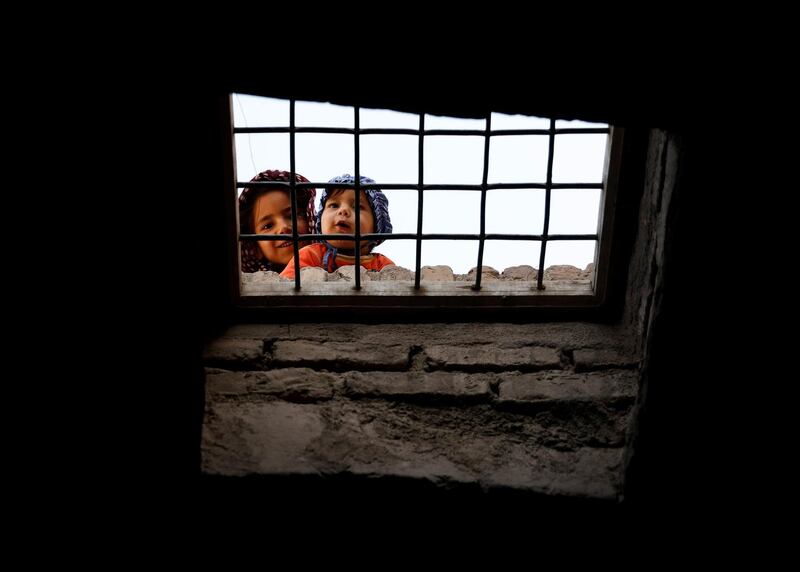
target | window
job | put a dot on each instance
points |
(501, 192)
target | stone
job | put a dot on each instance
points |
(313, 274)
(261, 277)
(439, 273)
(487, 273)
(562, 272)
(523, 272)
(348, 273)
(394, 273)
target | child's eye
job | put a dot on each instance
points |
(333, 205)
(267, 226)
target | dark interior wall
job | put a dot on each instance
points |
(675, 434)
(687, 450)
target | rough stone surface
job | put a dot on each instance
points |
(291, 384)
(562, 272)
(645, 271)
(250, 331)
(235, 350)
(338, 355)
(394, 273)
(565, 386)
(486, 405)
(260, 438)
(594, 359)
(523, 272)
(566, 335)
(260, 277)
(444, 444)
(436, 274)
(440, 273)
(348, 274)
(313, 274)
(437, 385)
(490, 357)
(487, 273)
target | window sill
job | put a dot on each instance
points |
(456, 295)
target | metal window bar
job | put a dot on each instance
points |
(430, 236)
(428, 133)
(420, 195)
(420, 187)
(549, 186)
(357, 200)
(293, 197)
(484, 181)
(429, 187)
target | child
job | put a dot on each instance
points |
(269, 211)
(337, 216)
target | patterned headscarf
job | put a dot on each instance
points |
(380, 209)
(252, 258)
(377, 200)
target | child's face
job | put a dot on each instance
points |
(272, 214)
(339, 217)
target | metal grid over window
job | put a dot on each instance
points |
(601, 237)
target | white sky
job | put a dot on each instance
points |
(454, 160)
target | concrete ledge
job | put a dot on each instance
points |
(240, 352)
(436, 386)
(491, 357)
(341, 355)
(297, 384)
(461, 445)
(596, 359)
(562, 386)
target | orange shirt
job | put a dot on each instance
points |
(312, 256)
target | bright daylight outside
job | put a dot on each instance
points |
(393, 159)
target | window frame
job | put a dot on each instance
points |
(393, 300)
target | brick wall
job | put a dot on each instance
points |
(543, 408)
